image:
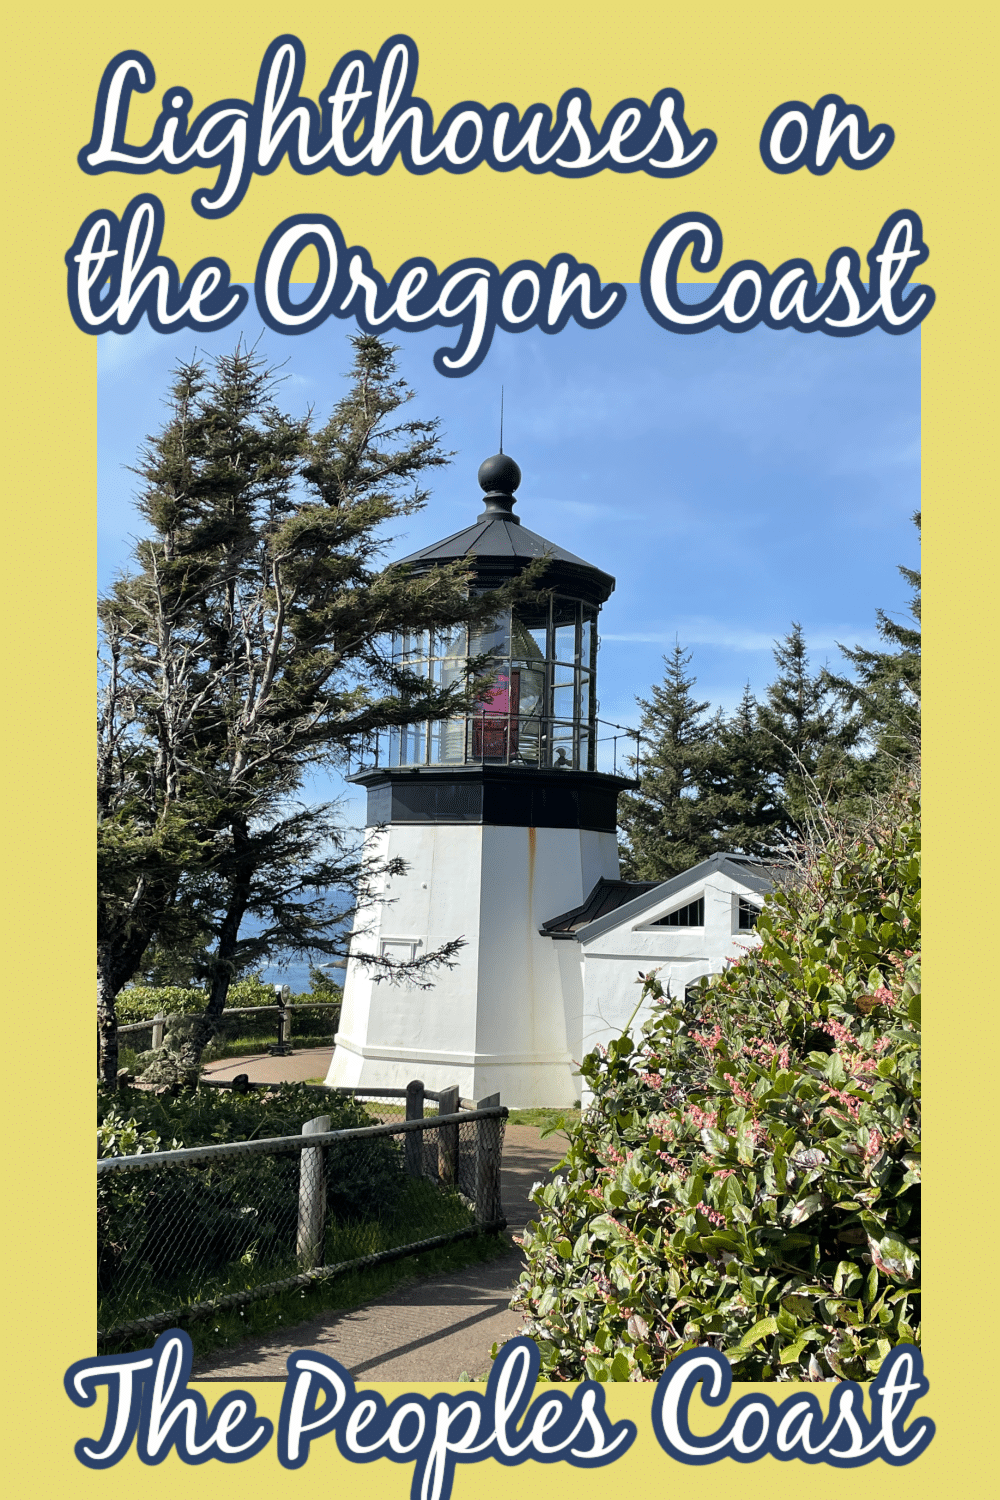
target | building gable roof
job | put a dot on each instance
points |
(755, 875)
(606, 897)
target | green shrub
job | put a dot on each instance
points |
(141, 1002)
(364, 1177)
(310, 1027)
(747, 1176)
(144, 1001)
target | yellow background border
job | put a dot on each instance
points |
(924, 71)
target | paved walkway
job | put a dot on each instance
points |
(263, 1068)
(429, 1329)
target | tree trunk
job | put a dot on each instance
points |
(207, 1024)
(107, 1022)
(119, 954)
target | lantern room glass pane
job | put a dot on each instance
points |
(413, 746)
(526, 704)
(587, 634)
(528, 633)
(448, 742)
(451, 644)
(562, 746)
(532, 687)
(413, 644)
(562, 702)
(491, 638)
(564, 619)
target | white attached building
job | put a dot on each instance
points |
(684, 927)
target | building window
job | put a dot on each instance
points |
(692, 915)
(748, 914)
(399, 950)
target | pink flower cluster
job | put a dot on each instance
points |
(765, 1052)
(739, 1092)
(847, 1100)
(711, 1214)
(700, 1118)
(838, 1032)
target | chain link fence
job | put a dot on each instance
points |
(185, 1233)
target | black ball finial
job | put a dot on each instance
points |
(499, 475)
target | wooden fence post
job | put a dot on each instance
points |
(158, 1021)
(488, 1202)
(415, 1138)
(448, 1138)
(312, 1198)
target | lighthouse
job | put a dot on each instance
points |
(501, 818)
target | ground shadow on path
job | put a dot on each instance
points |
(431, 1329)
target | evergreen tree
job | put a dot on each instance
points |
(743, 797)
(666, 825)
(801, 714)
(885, 689)
(249, 646)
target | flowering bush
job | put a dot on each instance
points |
(748, 1175)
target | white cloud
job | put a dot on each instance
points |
(703, 632)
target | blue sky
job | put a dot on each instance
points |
(732, 483)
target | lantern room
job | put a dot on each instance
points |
(538, 702)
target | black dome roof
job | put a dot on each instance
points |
(499, 547)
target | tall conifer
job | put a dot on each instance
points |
(666, 825)
(248, 645)
(802, 715)
(743, 795)
(885, 688)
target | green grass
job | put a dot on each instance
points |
(542, 1118)
(234, 1326)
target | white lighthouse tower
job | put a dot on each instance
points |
(501, 819)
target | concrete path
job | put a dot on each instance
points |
(263, 1068)
(429, 1329)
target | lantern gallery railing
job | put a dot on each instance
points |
(490, 738)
